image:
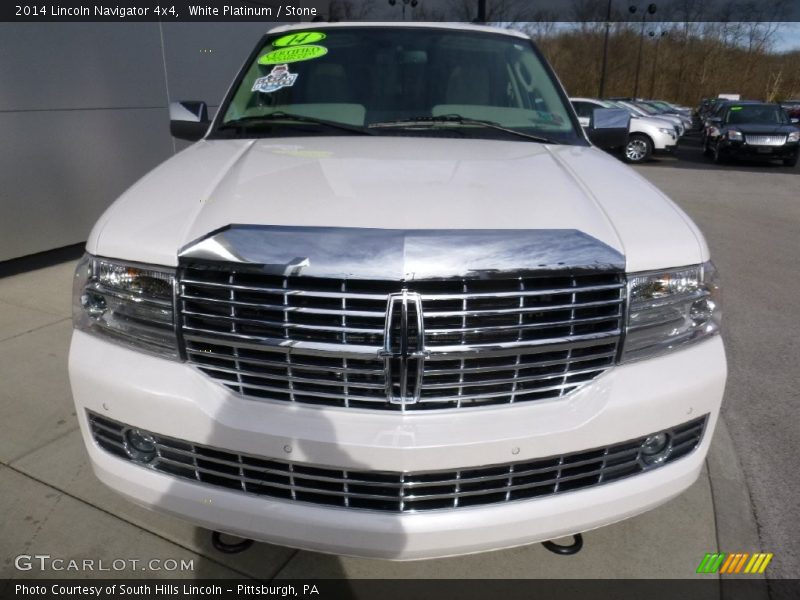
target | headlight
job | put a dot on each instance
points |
(735, 136)
(667, 131)
(794, 137)
(669, 309)
(128, 303)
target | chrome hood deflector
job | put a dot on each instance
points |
(403, 254)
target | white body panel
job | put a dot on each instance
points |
(175, 399)
(653, 127)
(663, 135)
(396, 183)
(682, 124)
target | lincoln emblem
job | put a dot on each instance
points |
(404, 348)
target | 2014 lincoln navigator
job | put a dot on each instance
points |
(394, 303)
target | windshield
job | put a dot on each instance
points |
(616, 104)
(365, 76)
(653, 108)
(637, 109)
(648, 110)
(663, 106)
(765, 114)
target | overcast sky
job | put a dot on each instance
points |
(789, 37)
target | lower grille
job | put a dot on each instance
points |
(398, 492)
(765, 140)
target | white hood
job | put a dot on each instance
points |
(395, 183)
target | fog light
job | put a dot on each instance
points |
(94, 304)
(140, 445)
(656, 448)
(700, 312)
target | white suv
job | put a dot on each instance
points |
(394, 304)
(647, 136)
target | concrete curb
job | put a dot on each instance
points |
(737, 528)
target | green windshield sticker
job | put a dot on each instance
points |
(736, 108)
(292, 54)
(299, 38)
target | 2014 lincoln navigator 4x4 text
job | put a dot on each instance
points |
(394, 303)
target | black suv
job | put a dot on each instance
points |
(752, 130)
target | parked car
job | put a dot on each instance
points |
(635, 111)
(655, 110)
(713, 116)
(673, 108)
(755, 131)
(394, 304)
(644, 111)
(707, 105)
(792, 108)
(646, 136)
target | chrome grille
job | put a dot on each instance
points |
(765, 140)
(326, 341)
(395, 491)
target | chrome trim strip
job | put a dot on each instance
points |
(528, 309)
(524, 326)
(402, 254)
(519, 366)
(281, 364)
(506, 382)
(291, 378)
(280, 324)
(292, 309)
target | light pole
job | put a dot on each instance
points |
(651, 10)
(405, 3)
(658, 37)
(602, 90)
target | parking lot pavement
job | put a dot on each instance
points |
(750, 214)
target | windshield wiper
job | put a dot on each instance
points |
(459, 120)
(245, 123)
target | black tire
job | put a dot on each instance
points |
(638, 149)
(719, 158)
(706, 147)
(791, 162)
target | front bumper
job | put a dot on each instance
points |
(174, 399)
(666, 149)
(664, 143)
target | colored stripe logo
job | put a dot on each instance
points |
(736, 562)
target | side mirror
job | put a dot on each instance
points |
(609, 128)
(188, 120)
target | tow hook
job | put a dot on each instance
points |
(229, 548)
(565, 550)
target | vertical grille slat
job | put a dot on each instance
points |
(456, 343)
